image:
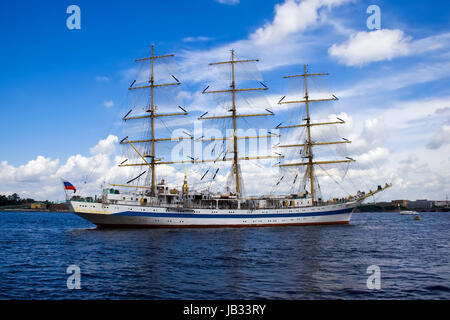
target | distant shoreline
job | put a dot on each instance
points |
(375, 208)
(31, 210)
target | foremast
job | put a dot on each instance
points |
(152, 116)
(309, 142)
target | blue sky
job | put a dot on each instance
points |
(49, 72)
(62, 90)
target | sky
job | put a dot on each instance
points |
(62, 91)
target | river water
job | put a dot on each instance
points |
(311, 262)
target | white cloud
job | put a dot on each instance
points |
(105, 146)
(416, 74)
(40, 178)
(6, 172)
(440, 138)
(385, 44)
(375, 155)
(195, 66)
(196, 39)
(292, 17)
(102, 79)
(372, 136)
(404, 114)
(391, 147)
(365, 47)
(36, 170)
(229, 2)
(108, 103)
(412, 158)
(432, 43)
(278, 43)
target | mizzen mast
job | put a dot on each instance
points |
(309, 143)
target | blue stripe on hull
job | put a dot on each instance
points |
(231, 215)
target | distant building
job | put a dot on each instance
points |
(440, 204)
(402, 203)
(383, 204)
(420, 204)
(38, 205)
(59, 207)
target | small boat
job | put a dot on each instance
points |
(416, 217)
(409, 212)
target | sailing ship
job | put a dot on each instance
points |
(154, 204)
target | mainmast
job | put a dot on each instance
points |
(233, 110)
(309, 143)
(152, 116)
(234, 115)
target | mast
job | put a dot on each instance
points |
(235, 149)
(234, 115)
(309, 143)
(152, 112)
(308, 126)
(152, 115)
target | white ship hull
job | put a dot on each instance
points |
(135, 216)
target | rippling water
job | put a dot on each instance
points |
(315, 262)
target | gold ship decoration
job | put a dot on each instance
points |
(309, 143)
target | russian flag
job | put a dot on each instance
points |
(69, 186)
